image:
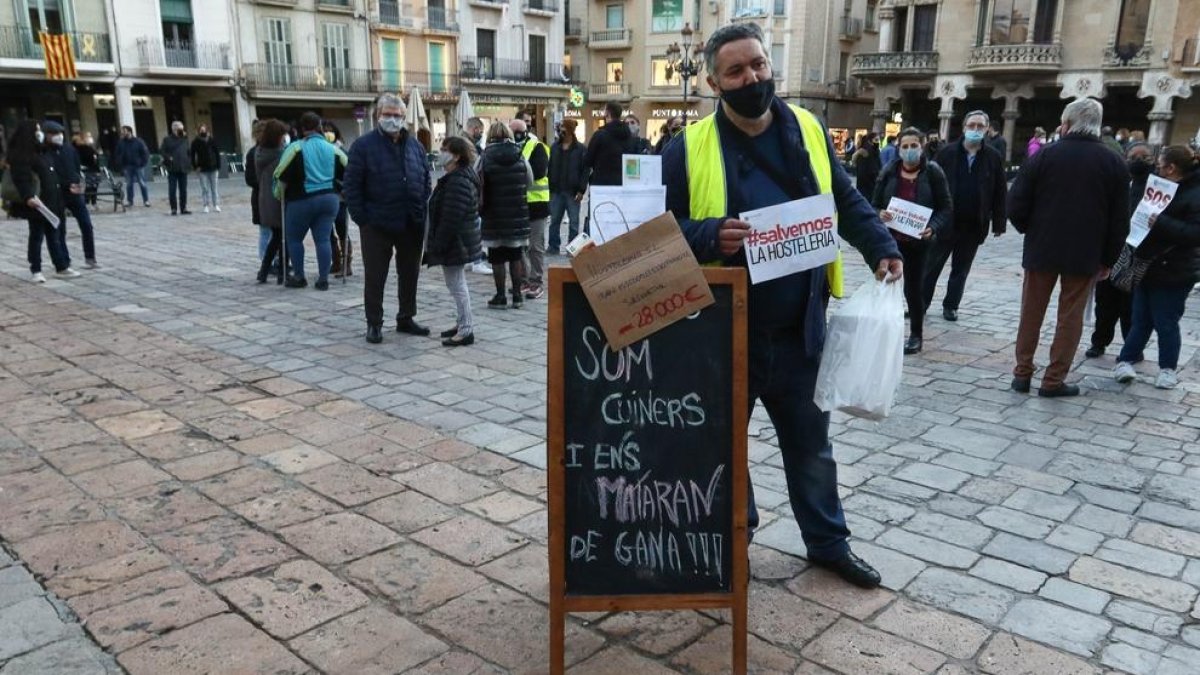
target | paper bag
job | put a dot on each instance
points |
(642, 281)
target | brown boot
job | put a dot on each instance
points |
(336, 268)
(348, 257)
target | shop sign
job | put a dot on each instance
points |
(576, 114)
(577, 98)
(110, 101)
(599, 113)
(668, 113)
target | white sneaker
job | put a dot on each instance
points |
(37, 278)
(92, 264)
(1124, 372)
(67, 273)
(481, 268)
(1167, 379)
(206, 209)
(217, 208)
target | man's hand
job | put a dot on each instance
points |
(927, 233)
(890, 270)
(731, 235)
(579, 196)
(885, 216)
(76, 189)
(1153, 219)
(996, 235)
(1103, 273)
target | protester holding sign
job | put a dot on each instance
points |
(913, 181)
(1174, 247)
(776, 153)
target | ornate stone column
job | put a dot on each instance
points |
(1160, 127)
(1010, 128)
(123, 89)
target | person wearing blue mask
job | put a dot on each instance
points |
(917, 180)
(975, 172)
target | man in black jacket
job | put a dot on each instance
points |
(568, 182)
(1071, 201)
(177, 158)
(70, 177)
(975, 172)
(608, 144)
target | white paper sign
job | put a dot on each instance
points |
(641, 170)
(616, 209)
(908, 218)
(1159, 193)
(791, 237)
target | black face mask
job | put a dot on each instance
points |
(520, 136)
(1140, 168)
(752, 100)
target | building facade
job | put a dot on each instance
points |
(1022, 60)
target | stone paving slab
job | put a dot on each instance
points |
(180, 423)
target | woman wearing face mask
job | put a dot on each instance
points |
(1173, 246)
(915, 179)
(36, 182)
(1036, 142)
(504, 209)
(453, 240)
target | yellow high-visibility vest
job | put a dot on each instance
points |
(540, 190)
(706, 173)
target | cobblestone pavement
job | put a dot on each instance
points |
(216, 476)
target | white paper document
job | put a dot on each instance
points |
(908, 218)
(641, 170)
(791, 237)
(617, 209)
(1158, 194)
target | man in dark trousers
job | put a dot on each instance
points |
(177, 158)
(67, 167)
(757, 151)
(604, 152)
(1071, 201)
(568, 182)
(975, 172)
(387, 187)
(132, 156)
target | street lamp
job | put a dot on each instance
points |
(686, 60)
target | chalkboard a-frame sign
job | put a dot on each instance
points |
(647, 462)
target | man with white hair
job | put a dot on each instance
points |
(1071, 201)
(177, 158)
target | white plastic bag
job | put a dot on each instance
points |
(864, 353)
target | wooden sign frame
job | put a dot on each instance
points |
(561, 603)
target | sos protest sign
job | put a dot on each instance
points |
(1155, 199)
(791, 237)
(908, 218)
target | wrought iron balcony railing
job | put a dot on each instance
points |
(488, 68)
(290, 77)
(22, 43)
(153, 52)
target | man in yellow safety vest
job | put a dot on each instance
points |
(537, 155)
(756, 151)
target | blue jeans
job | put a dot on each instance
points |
(560, 202)
(784, 377)
(41, 229)
(77, 207)
(315, 213)
(1157, 309)
(135, 174)
(264, 236)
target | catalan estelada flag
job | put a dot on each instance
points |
(60, 59)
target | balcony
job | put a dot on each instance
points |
(1189, 59)
(336, 5)
(22, 43)
(487, 68)
(609, 91)
(441, 19)
(1020, 58)
(1128, 57)
(433, 86)
(894, 65)
(494, 4)
(614, 38)
(541, 6)
(744, 10)
(850, 29)
(391, 15)
(574, 30)
(152, 53)
(277, 77)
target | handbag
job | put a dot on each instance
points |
(9, 191)
(1129, 270)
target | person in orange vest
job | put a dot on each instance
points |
(757, 151)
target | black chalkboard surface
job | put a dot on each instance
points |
(648, 454)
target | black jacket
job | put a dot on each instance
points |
(252, 181)
(453, 209)
(867, 166)
(66, 164)
(993, 188)
(1071, 201)
(604, 153)
(503, 208)
(999, 144)
(176, 154)
(23, 174)
(932, 192)
(205, 154)
(1174, 240)
(567, 170)
(88, 158)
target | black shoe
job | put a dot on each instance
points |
(262, 277)
(1020, 385)
(321, 285)
(172, 211)
(1094, 352)
(851, 568)
(1059, 391)
(452, 341)
(185, 212)
(411, 327)
(950, 314)
(374, 334)
(296, 282)
(518, 300)
(912, 345)
(498, 301)
(449, 332)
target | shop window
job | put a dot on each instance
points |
(667, 16)
(924, 27)
(614, 16)
(1131, 32)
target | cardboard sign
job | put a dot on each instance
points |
(641, 170)
(1158, 195)
(791, 237)
(642, 282)
(908, 218)
(616, 209)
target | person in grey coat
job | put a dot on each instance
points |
(177, 158)
(271, 143)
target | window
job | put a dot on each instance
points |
(389, 59)
(1010, 21)
(44, 15)
(176, 30)
(537, 58)
(981, 30)
(658, 73)
(924, 27)
(900, 29)
(1043, 28)
(614, 70)
(485, 43)
(777, 59)
(667, 16)
(614, 16)
(781, 7)
(277, 50)
(1131, 32)
(336, 51)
